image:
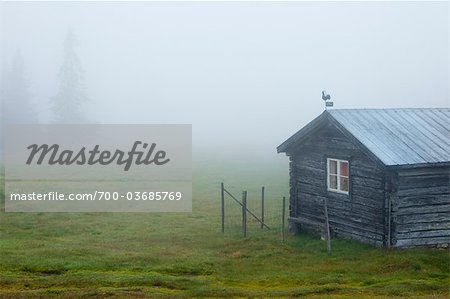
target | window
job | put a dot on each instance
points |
(337, 175)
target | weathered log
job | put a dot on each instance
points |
(424, 210)
(424, 234)
(424, 200)
(423, 191)
(422, 226)
(422, 242)
(422, 218)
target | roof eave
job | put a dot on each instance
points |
(296, 138)
(419, 165)
(284, 147)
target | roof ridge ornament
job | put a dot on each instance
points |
(327, 98)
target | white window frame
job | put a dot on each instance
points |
(338, 175)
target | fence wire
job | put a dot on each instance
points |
(233, 211)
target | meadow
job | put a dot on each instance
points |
(168, 255)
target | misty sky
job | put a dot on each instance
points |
(247, 74)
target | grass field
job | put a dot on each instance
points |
(185, 255)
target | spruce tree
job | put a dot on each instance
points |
(67, 104)
(16, 99)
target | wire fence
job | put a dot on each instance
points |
(264, 210)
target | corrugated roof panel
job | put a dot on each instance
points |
(369, 131)
(406, 140)
(438, 124)
(368, 140)
(431, 142)
(400, 136)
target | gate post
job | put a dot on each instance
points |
(244, 213)
(223, 206)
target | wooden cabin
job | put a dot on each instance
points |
(382, 173)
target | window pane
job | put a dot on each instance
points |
(344, 168)
(333, 182)
(344, 184)
(333, 167)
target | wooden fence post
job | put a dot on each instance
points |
(327, 226)
(223, 206)
(244, 213)
(248, 211)
(283, 216)
(262, 207)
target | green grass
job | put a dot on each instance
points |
(184, 254)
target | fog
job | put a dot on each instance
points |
(245, 75)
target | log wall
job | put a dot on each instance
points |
(421, 209)
(360, 214)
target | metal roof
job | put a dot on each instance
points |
(395, 136)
